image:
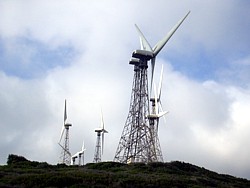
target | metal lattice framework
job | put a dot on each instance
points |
(154, 123)
(65, 153)
(97, 155)
(99, 144)
(139, 141)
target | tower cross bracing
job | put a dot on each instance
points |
(139, 141)
(136, 143)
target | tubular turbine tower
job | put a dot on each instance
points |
(139, 140)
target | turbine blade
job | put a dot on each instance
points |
(62, 131)
(152, 72)
(83, 145)
(164, 114)
(65, 117)
(102, 122)
(160, 84)
(144, 43)
(75, 155)
(157, 48)
(65, 112)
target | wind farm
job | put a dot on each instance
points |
(197, 104)
(139, 142)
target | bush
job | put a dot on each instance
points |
(14, 159)
(104, 165)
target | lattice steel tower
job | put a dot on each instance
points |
(65, 153)
(99, 144)
(97, 155)
(139, 141)
(154, 116)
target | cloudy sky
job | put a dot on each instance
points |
(79, 50)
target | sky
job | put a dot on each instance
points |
(79, 50)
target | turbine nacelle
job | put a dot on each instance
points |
(67, 125)
(99, 130)
(75, 155)
(157, 116)
(143, 54)
(135, 61)
(81, 152)
(73, 158)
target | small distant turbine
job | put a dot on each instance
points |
(73, 158)
(65, 154)
(99, 144)
(157, 110)
(81, 155)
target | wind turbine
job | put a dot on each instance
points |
(153, 52)
(137, 142)
(64, 121)
(99, 144)
(73, 158)
(65, 154)
(154, 116)
(81, 154)
(157, 110)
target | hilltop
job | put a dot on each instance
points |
(20, 172)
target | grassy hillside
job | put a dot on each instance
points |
(19, 172)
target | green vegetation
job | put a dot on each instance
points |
(20, 172)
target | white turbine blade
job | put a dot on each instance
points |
(144, 43)
(65, 117)
(162, 114)
(152, 73)
(157, 48)
(62, 131)
(65, 112)
(75, 155)
(163, 111)
(102, 122)
(83, 146)
(160, 84)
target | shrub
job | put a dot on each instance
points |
(14, 159)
